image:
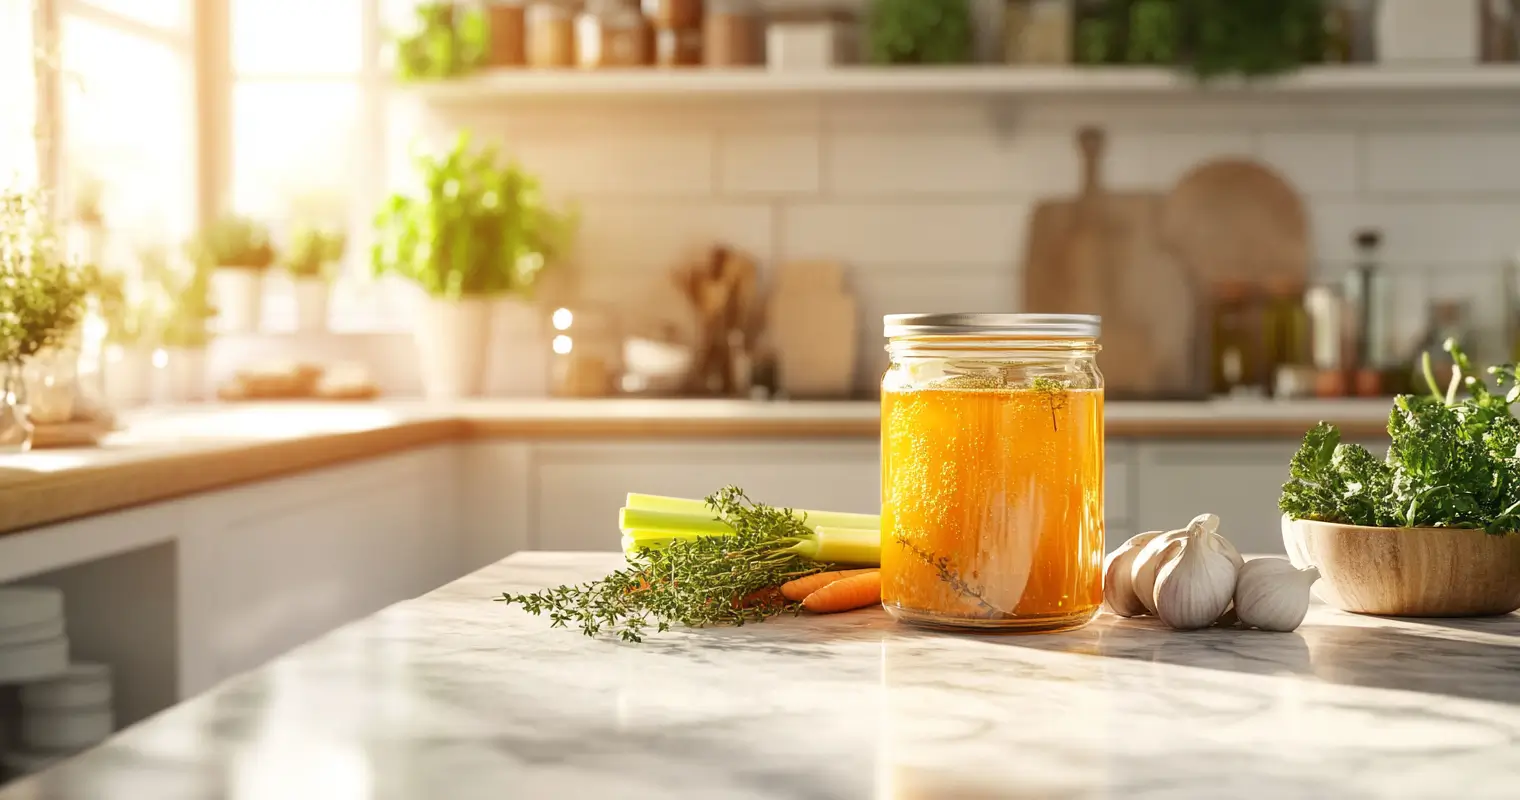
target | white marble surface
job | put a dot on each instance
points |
(454, 696)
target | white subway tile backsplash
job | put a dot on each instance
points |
(1445, 160)
(1430, 233)
(1140, 160)
(927, 234)
(769, 163)
(917, 162)
(649, 238)
(618, 164)
(901, 290)
(1483, 291)
(1314, 163)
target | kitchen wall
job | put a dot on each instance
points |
(925, 199)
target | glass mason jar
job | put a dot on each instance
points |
(992, 471)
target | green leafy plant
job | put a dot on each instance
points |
(920, 31)
(1453, 462)
(1250, 37)
(42, 294)
(180, 311)
(448, 39)
(234, 242)
(313, 251)
(478, 227)
(130, 321)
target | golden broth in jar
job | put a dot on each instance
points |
(992, 479)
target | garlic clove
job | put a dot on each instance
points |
(1194, 589)
(1118, 586)
(1272, 594)
(1223, 545)
(1148, 562)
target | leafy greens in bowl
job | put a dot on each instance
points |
(1454, 461)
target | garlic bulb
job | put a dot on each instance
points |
(1148, 562)
(1272, 594)
(1118, 587)
(1194, 588)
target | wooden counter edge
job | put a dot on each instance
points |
(51, 497)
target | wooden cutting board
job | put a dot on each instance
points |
(815, 336)
(1101, 253)
(1234, 220)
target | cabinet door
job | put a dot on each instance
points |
(267, 567)
(1239, 481)
(579, 487)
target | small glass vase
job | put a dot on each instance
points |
(15, 425)
(52, 386)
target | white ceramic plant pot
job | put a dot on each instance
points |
(312, 298)
(127, 373)
(238, 295)
(520, 354)
(185, 375)
(452, 337)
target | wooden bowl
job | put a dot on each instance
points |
(1408, 572)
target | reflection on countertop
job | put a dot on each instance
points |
(451, 694)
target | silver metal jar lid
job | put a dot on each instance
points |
(1065, 326)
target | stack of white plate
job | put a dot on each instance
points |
(61, 716)
(32, 643)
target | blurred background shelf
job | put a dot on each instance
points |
(973, 80)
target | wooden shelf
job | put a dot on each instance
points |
(1048, 82)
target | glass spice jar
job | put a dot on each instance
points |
(678, 48)
(992, 471)
(674, 14)
(506, 22)
(611, 36)
(551, 35)
(733, 34)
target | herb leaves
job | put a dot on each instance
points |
(1453, 462)
(711, 580)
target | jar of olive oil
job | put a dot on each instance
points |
(992, 471)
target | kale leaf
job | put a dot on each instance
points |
(1453, 461)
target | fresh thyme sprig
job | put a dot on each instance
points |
(1055, 394)
(947, 573)
(712, 580)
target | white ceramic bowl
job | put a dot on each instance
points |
(35, 632)
(82, 685)
(22, 663)
(67, 729)
(29, 605)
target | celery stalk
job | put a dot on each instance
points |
(700, 517)
(844, 546)
(674, 522)
(654, 502)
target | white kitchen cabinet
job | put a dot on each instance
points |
(268, 566)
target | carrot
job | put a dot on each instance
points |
(800, 588)
(857, 591)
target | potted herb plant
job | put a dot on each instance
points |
(1433, 530)
(41, 301)
(478, 232)
(186, 328)
(309, 260)
(239, 252)
(131, 321)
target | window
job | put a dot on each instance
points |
(17, 95)
(307, 121)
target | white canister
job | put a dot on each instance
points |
(1428, 31)
(808, 45)
(34, 660)
(238, 294)
(67, 729)
(82, 685)
(312, 297)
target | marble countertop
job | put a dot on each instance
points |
(453, 696)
